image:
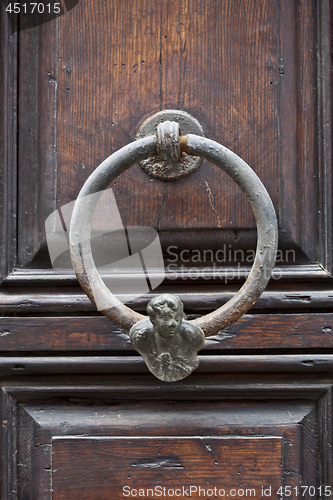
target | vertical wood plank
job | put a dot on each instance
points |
(306, 145)
(108, 83)
(287, 116)
(324, 131)
(37, 191)
(8, 145)
(227, 78)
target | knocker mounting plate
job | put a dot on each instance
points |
(167, 170)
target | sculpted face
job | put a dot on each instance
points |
(166, 315)
(167, 342)
(168, 323)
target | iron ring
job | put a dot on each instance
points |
(237, 169)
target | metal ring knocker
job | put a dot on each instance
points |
(168, 343)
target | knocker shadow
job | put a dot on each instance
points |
(25, 14)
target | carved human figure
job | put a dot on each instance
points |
(168, 344)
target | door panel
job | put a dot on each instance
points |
(91, 437)
(178, 458)
(257, 90)
(81, 415)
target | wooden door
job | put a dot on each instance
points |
(82, 417)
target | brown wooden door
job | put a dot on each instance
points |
(82, 418)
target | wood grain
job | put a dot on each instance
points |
(80, 412)
(97, 85)
(106, 466)
(34, 469)
(257, 331)
(8, 145)
(112, 431)
(108, 82)
(217, 72)
(227, 363)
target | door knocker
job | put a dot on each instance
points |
(168, 343)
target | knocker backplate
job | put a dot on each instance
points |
(171, 170)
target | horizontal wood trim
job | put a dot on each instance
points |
(11, 365)
(205, 273)
(257, 331)
(68, 300)
(91, 388)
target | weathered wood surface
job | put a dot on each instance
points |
(102, 431)
(257, 331)
(256, 75)
(88, 90)
(230, 363)
(61, 300)
(122, 465)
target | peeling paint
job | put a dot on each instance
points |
(302, 298)
(166, 462)
(208, 446)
